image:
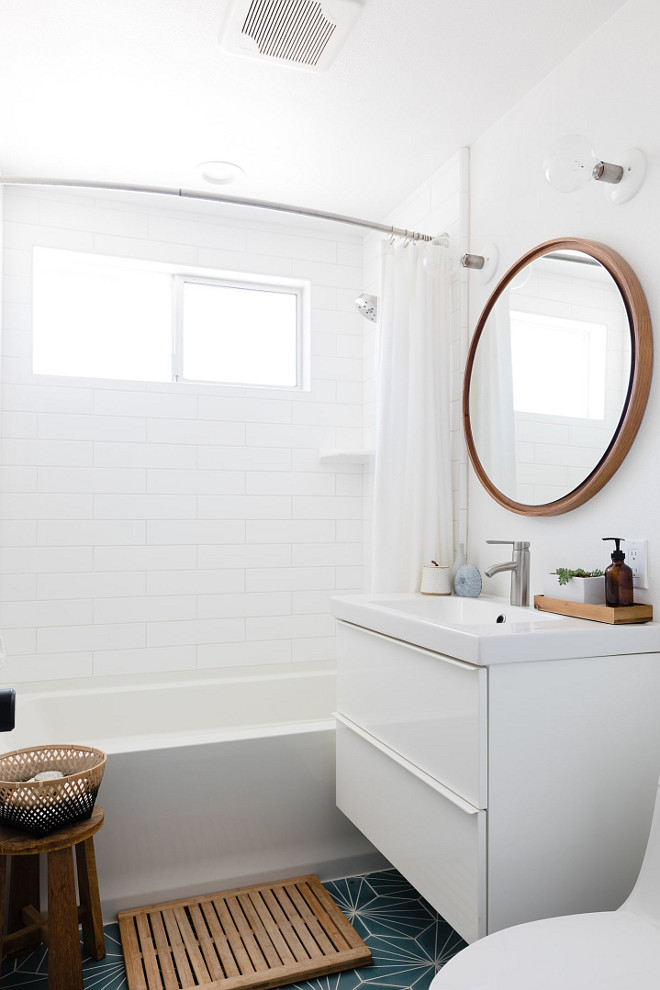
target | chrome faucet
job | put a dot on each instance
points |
(519, 567)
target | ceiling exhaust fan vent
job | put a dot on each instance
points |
(302, 33)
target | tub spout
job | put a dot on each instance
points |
(519, 567)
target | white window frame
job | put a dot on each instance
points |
(292, 288)
(179, 274)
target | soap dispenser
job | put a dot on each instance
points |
(618, 577)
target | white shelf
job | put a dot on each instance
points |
(328, 456)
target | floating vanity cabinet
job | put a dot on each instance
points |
(503, 793)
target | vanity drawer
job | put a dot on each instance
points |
(429, 708)
(437, 842)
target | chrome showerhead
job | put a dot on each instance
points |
(368, 306)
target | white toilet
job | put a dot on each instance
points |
(610, 950)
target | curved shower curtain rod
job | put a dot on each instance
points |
(262, 204)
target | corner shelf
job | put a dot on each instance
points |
(329, 456)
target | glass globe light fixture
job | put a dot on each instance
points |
(571, 163)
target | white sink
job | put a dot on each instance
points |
(488, 630)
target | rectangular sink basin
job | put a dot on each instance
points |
(488, 630)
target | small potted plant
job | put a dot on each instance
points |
(576, 585)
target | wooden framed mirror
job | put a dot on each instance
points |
(557, 377)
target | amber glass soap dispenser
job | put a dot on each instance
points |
(618, 577)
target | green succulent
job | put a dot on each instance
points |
(564, 574)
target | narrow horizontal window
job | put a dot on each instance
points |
(98, 317)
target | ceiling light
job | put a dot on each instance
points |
(571, 163)
(220, 173)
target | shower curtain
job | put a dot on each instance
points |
(412, 497)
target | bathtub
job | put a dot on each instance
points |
(211, 782)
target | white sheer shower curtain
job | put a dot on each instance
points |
(412, 497)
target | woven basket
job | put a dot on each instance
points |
(41, 807)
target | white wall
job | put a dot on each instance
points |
(150, 527)
(609, 90)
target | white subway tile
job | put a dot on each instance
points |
(20, 478)
(326, 414)
(19, 424)
(155, 558)
(266, 459)
(230, 606)
(289, 627)
(163, 532)
(158, 660)
(312, 507)
(294, 531)
(275, 435)
(241, 556)
(243, 507)
(197, 582)
(20, 641)
(46, 613)
(195, 431)
(147, 507)
(92, 584)
(195, 632)
(288, 578)
(123, 403)
(76, 639)
(148, 250)
(326, 554)
(44, 398)
(271, 483)
(152, 608)
(34, 560)
(324, 648)
(90, 532)
(311, 602)
(91, 479)
(196, 482)
(24, 669)
(17, 587)
(147, 455)
(32, 505)
(349, 530)
(124, 429)
(244, 410)
(349, 578)
(244, 654)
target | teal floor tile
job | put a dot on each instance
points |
(409, 942)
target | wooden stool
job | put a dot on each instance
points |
(26, 926)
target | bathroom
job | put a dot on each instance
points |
(161, 536)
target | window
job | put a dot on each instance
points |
(573, 356)
(98, 317)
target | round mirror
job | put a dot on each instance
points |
(557, 377)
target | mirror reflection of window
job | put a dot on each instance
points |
(559, 366)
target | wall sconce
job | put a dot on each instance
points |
(485, 263)
(571, 163)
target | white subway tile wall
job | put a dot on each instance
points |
(154, 527)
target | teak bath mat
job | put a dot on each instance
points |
(253, 937)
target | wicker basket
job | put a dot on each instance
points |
(41, 807)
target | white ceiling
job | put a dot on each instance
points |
(140, 91)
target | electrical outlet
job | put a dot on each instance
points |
(637, 559)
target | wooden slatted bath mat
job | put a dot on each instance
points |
(253, 937)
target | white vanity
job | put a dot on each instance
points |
(503, 759)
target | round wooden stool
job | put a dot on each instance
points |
(26, 926)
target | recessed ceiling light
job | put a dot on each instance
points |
(220, 173)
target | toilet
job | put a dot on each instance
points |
(608, 950)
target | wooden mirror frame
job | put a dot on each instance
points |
(641, 353)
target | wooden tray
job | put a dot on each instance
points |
(615, 615)
(262, 936)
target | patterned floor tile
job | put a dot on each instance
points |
(409, 942)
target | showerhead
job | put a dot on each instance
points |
(368, 306)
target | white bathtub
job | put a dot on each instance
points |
(211, 782)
